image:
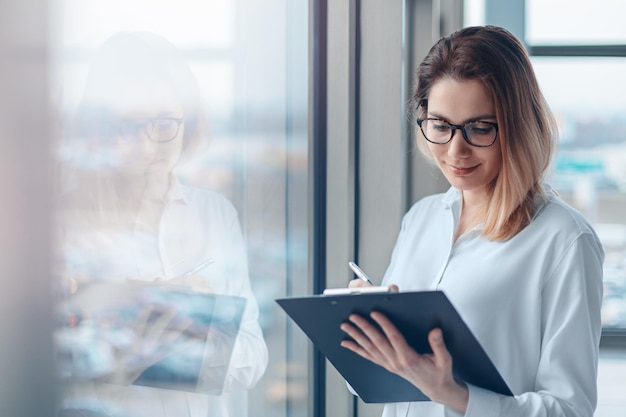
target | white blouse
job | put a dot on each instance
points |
(195, 225)
(533, 302)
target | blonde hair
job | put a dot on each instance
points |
(526, 127)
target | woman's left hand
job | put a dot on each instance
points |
(430, 373)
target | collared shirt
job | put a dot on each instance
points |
(193, 226)
(533, 302)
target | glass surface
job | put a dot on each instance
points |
(181, 206)
(589, 102)
(575, 22)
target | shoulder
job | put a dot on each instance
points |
(200, 193)
(561, 224)
(208, 200)
(553, 210)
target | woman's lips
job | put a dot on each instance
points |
(462, 171)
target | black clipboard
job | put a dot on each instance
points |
(415, 314)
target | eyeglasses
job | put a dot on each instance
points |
(158, 129)
(476, 133)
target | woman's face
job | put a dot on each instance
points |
(468, 168)
(148, 127)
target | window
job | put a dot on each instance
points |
(579, 72)
(215, 95)
(589, 169)
(596, 23)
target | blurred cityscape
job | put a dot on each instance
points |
(590, 173)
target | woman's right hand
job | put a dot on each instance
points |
(357, 282)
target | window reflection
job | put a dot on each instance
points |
(156, 270)
(248, 63)
(589, 171)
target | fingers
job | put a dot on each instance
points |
(391, 332)
(361, 344)
(369, 339)
(160, 325)
(440, 351)
(369, 342)
(362, 331)
(357, 282)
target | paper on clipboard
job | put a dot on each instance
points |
(356, 290)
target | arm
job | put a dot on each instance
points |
(249, 356)
(565, 383)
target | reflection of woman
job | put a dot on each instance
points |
(126, 218)
(522, 267)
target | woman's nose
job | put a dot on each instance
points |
(458, 146)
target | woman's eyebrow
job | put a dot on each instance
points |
(485, 116)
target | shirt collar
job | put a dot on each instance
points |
(177, 191)
(452, 197)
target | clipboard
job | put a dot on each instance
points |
(414, 314)
(211, 324)
(215, 317)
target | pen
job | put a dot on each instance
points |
(199, 267)
(359, 273)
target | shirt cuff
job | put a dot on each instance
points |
(482, 402)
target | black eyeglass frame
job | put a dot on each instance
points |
(178, 120)
(459, 127)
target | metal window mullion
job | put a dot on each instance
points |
(607, 51)
(317, 181)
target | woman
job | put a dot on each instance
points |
(522, 267)
(128, 226)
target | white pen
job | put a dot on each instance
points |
(359, 273)
(199, 267)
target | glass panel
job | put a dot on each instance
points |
(589, 102)
(182, 206)
(575, 22)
